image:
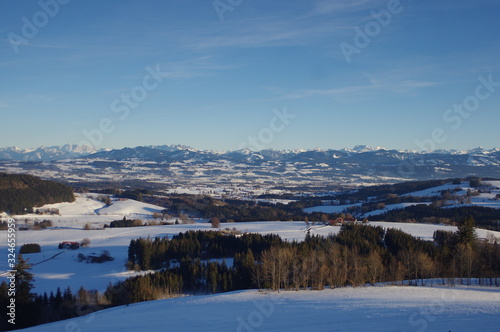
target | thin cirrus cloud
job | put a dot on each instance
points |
(196, 67)
(265, 32)
(325, 7)
(374, 88)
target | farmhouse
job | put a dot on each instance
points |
(341, 221)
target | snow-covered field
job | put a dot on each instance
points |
(389, 308)
(65, 271)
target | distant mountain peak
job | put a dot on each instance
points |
(363, 148)
(42, 153)
(172, 147)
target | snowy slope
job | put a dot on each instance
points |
(435, 191)
(390, 207)
(129, 208)
(84, 205)
(389, 308)
(88, 209)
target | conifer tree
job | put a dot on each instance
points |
(25, 299)
(466, 233)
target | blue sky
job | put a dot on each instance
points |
(216, 78)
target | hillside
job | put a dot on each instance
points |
(388, 308)
(20, 193)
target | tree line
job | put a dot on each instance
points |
(485, 217)
(158, 253)
(20, 193)
(230, 210)
(357, 255)
(126, 223)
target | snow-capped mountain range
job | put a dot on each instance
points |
(178, 164)
(46, 153)
(155, 152)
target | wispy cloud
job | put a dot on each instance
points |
(344, 91)
(30, 43)
(451, 5)
(266, 32)
(196, 67)
(40, 97)
(324, 7)
(374, 87)
(40, 45)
